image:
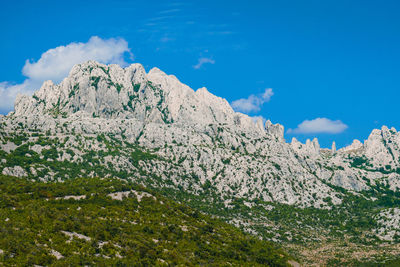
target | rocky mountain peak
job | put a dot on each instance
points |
(333, 149)
(276, 130)
(199, 133)
(95, 90)
(355, 146)
(104, 120)
(383, 146)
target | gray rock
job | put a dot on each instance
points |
(197, 134)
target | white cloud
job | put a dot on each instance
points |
(253, 103)
(55, 64)
(319, 125)
(267, 95)
(202, 61)
(8, 92)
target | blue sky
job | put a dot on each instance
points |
(333, 66)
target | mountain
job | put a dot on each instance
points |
(107, 121)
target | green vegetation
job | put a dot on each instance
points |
(55, 111)
(276, 166)
(131, 98)
(139, 155)
(136, 87)
(74, 90)
(95, 81)
(38, 222)
(363, 163)
(359, 161)
(347, 227)
(118, 87)
(106, 71)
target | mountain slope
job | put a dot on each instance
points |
(156, 111)
(112, 222)
(190, 145)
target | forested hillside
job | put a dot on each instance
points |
(92, 221)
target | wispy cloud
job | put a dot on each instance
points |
(202, 61)
(150, 24)
(161, 18)
(253, 103)
(220, 33)
(319, 125)
(186, 31)
(176, 4)
(166, 39)
(168, 11)
(55, 64)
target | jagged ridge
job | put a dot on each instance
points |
(150, 108)
(108, 121)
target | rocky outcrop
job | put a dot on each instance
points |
(16, 171)
(198, 139)
(96, 90)
(275, 130)
(333, 149)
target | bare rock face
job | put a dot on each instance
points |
(197, 134)
(276, 130)
(354, 147)
(16, 171)
(96, 90)
(382, 147)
